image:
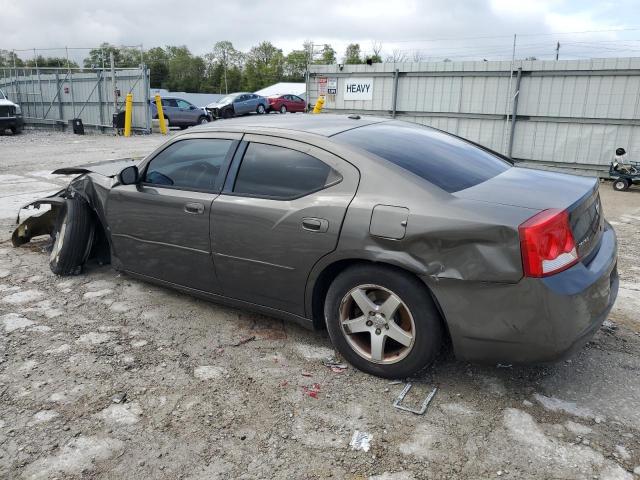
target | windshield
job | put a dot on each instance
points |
(449, 162)
(227, 99)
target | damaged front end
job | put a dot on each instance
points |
(91, 187)
(40, 224)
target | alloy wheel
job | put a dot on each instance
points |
(377, 324)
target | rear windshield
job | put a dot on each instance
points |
(444, 160)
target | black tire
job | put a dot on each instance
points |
(283, 109)
(14, 130)
(203, 120)
(183, 127)
(427, 335)
(260, 109)
(621, 184)
(73, 237)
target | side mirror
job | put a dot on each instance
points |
(129, 175)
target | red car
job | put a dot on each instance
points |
(286, 103)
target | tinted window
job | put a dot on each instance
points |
(277, 172)
(189, 164)
(183, 104)
(169, 102)
(296, 99)
(444, 160)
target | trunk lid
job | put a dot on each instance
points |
(540, 190)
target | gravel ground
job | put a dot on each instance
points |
(103, 376)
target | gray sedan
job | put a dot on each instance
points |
(180, 113)
(395, 237)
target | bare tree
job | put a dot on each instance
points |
(417, 56)
(397, 56)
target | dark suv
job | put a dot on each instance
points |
(10, 115)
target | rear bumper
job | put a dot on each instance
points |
(536, 320)
(12, 122)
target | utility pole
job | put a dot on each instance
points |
(557, 50)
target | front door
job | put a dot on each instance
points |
(281, 210)
(160, 228)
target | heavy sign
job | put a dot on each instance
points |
(356, 88)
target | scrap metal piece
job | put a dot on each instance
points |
(397, 403)
(361, 441)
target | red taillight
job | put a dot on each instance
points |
(547, 243)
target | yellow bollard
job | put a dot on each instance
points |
(319, 104)
(128, 107)
(163, 122)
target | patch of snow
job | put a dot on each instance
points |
(15, 321)
(97, 293)
(208, 372)
(577, 428)
(123, 414)
(94, 338)
(557, 405)
(75, 457)
(43, 416)
(22, 297)
(314, 352)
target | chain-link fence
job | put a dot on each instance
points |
(54, 95)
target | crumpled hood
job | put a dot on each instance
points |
(108, 168)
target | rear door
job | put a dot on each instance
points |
(281, 210)
(160, 228)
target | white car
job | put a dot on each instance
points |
(10, 115)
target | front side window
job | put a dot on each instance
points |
(442, 159)
(281, 173)
(192, 164)
(183, 104)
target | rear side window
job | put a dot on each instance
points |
(444, 160)
(189, 164)
(281, 173)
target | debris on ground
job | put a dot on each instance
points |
(244, 340)
(361, 441)
(335, 365)
(397, 403)
(119, 398)
(312, 391)
(609, 327)
(307, 374)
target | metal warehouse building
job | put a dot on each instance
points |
(568, 113)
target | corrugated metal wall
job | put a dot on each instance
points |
(570, 113)
(50, 96)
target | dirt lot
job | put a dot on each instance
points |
(213, 392)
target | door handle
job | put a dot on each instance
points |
(194, 208)
(319, 225)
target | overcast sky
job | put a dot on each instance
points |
(401, 25)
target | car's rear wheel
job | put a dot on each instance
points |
(383, 321)
(621, 184)
(260, 109)
(73, 237)
(283, 109)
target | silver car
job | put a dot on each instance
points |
(180, 113)
(396, 237)
(236, 104)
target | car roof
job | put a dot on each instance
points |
(323, 124)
